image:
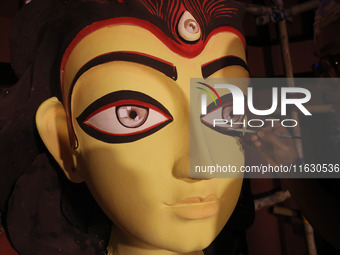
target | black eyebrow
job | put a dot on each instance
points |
(215, 65)
(140, 58)
(164, 67)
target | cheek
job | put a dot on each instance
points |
(128, 171)
(127, 162)
(122, 180)
(130, 182)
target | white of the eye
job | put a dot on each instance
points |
(214, 115)
(106, 121)
(188, 27)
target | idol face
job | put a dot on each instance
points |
(127, 96)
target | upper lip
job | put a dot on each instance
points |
(195, 200)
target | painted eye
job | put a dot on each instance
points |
(132, 116)
(227, 114)
(188, 27)
(123, 116)
(221, 118)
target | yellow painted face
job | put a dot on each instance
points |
(131, 121)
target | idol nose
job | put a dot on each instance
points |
(181, 168)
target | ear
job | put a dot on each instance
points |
(51, 121)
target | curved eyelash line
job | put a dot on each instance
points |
(128, 102)
(121, 95)
(130, 134)
(220, 106)
(120, 98)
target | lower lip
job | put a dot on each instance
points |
(195, 211)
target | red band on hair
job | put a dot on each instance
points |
(183, 49)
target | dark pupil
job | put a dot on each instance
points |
(133, 114)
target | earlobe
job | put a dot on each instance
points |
(51, 121)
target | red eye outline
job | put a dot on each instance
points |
(121, 98)
(129, 102)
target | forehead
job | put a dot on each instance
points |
(120, 37)
(127, 37)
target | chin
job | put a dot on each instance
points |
(191, 246)
(196, 238)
